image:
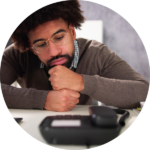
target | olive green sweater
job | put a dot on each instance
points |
(107, 78)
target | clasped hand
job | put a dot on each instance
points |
(66, 87)
(64, 78)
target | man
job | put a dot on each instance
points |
(57, 71)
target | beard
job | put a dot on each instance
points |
(66, 64)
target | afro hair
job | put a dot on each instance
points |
(67, 10)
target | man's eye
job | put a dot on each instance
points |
(41, 45)
(59, 38)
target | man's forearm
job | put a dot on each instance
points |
(23, 97)
(119, 93)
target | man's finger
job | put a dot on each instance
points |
(74, 94)
(51, 70)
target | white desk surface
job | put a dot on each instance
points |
(33, 118)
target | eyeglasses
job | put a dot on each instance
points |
(58, 39)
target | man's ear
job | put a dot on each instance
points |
(72, 30)
(32, 48)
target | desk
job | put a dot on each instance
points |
(33, 118)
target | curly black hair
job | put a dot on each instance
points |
(67, 10)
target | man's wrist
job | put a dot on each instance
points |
(47, 99)
(81, 83)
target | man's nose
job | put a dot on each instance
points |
(53, 49)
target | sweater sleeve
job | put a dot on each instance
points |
(116, 83)
(113, 92)
(12, 69)
(23, 97)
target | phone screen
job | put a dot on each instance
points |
(64, 123)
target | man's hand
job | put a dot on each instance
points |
(63, 78)
(62, 100)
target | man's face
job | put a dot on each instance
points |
(55, 55)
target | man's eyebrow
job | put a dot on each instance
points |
(60, 30)
(38, 40)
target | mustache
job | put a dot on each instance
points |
(57, 57)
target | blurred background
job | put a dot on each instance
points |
(115, 32)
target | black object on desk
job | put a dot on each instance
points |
(18, 119)
(98, 128)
